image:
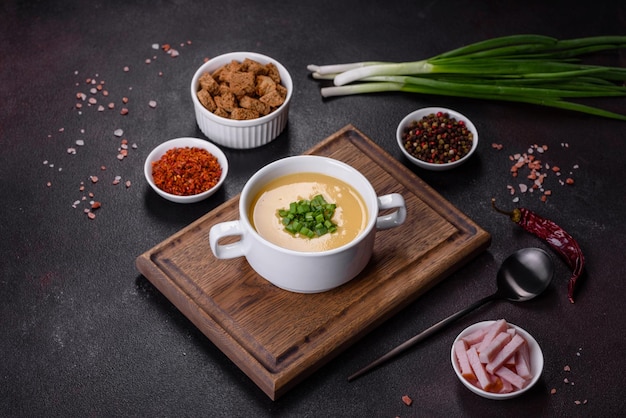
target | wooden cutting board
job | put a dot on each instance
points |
(278, 338)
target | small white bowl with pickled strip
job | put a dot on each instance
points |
(496, 359)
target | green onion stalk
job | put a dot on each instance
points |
(532, 69)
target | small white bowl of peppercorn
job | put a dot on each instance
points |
(437, 138)
(186, 170)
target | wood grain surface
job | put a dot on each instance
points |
(277, 337)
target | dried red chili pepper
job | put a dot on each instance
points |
(562, 242)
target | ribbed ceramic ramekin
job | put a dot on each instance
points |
(241, 133)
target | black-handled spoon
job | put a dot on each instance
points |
(524, 275)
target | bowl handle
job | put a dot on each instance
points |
(227, 229)
(391, 220)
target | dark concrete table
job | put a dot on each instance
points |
(84, 334)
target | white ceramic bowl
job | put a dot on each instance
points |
(241, 134)
(307, 271)
(536, 362)
(418, 115)
(159, 151)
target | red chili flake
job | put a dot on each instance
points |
(186, 171)
(124, 111)
(91, 215)
(96, 205)
(407, 400)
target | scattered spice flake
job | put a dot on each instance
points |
(124, 99)
(552, 391)
(152, 104)
(567, 368)
(71, 151)
(124, 111)
(94, 179)
(80, 142)
(117, 180)
(529, 161)
(173, 53)
(91, 215)
(127, 184)
(49, 184)
(497, 146)
(118, 132)
(126, 69)
(407, 400)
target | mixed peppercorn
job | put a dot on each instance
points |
(438, 138)
(186, 171)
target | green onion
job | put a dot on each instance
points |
(309, 218)
(532, 69)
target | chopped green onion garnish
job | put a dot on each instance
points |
(309, 218)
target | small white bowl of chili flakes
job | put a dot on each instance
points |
(437, 138)
(186, 170)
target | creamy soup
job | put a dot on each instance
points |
(350, 215)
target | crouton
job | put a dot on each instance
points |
(272, 72)
(222, 112)
(254, 67)
(206, 100)
(226, 101)
(208, 83)
(242, 83)
(251, 103)
(273, 98)
(243, 114)
(264, 84)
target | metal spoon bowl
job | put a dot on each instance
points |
(525, 274)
